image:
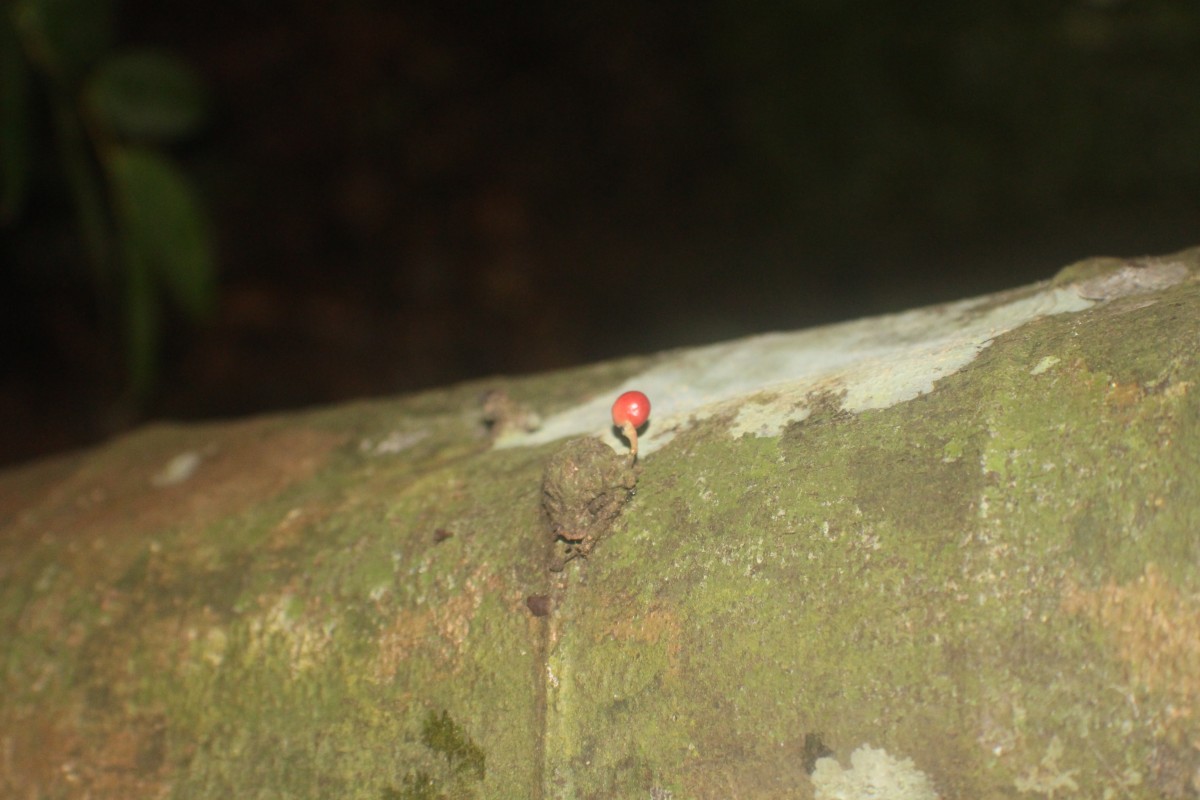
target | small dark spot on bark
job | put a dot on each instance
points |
(539, 604)
(814, 748)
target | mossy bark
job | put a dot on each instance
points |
(995, 578)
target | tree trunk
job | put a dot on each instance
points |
(953, 552)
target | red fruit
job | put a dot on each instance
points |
(629, 413)
(631, 407)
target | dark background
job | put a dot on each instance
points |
(408, 194)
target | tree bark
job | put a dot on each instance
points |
(952, 552)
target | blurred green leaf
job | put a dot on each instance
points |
(142, 225)
(65, 36)
(87, 190)
(14, 121)
(160, 220)
(147, 95)
(141, 320)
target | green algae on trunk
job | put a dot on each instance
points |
(956, 546)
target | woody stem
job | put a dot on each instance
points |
(630, 434)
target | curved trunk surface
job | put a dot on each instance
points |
(953, 552)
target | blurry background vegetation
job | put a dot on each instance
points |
(77, 112)
(220, 208)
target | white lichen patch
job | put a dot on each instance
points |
(178, 469)
(394, 442)
(874, 774)
(1044, 364)
(766, 382)
(1149, 275)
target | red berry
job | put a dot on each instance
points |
(632, 408)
